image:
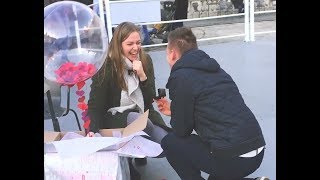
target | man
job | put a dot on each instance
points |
(181, 12)
(238, 4)
(229, 144)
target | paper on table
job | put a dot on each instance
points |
(87, 145)
(140, 147)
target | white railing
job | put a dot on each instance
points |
(249, 31)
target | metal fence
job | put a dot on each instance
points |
(199, 10)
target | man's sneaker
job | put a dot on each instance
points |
(262, 178)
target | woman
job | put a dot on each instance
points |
(125, 87)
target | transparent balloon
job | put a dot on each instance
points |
(75, 42)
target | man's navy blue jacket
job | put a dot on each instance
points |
(205, 98)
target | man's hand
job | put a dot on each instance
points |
(163, 106)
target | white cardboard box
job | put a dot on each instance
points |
(51, 139)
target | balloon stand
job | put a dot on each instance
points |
(69, 109)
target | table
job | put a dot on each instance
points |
(102, 165)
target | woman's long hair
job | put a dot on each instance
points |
(114, 59)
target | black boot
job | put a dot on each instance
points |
(140, 161)
(134, 174)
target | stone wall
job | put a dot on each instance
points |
(207, 8)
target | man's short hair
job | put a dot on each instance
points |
(183, 39)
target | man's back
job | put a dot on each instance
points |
(219, 113)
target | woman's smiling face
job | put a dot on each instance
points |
(131, 46)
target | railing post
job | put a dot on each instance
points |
(251, 20)
(102, 17)
(108, 15)
(246, 21)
